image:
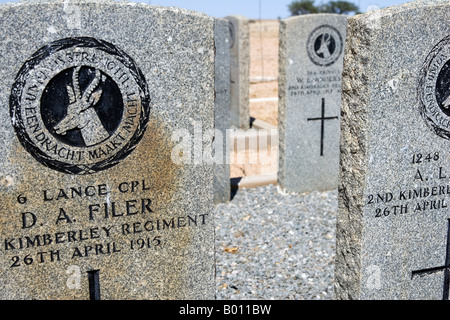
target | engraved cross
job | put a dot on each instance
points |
(322, 129)
(445, 268)
(94, 284)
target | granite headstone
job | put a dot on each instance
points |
(393, 227)
(93, 207)
(310, 68)
(240, 71)
(222, 111)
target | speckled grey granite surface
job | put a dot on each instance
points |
(222, 106)
(392, 223)
(240, 71)
(310, 67)
(143, 222)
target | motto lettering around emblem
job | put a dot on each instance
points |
(80, 105)
(434, 89)
(324, 45)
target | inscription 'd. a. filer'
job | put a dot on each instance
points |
(104, 228)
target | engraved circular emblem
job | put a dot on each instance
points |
(324, 45)
(434, 89)
(79, 105)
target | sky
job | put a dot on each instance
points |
(270, 9)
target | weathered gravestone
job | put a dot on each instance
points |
(310, 68)
(92, 204)
(393, 235)
(240, 71)
(222, 111)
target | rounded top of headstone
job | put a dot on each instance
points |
(120, 3)
(391, 10)
(237, 17)
(317, 16)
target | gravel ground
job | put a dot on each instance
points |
(272, 245)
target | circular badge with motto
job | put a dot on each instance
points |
(324, 45)
(80, 105)
(434, 89)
